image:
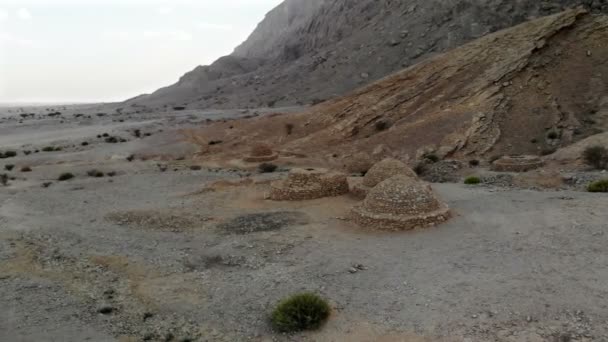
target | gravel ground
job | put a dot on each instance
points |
(143, 256)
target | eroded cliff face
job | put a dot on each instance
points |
(310, 50)
(538, 86)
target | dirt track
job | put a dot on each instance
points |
(148, 255)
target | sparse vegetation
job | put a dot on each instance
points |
(65, 176)
(111, 173)
(598, 186)
(596, 156)
(8, 154)
(431, 157)
(473, 162)
(267, 168)
(473, 180)
(382, 125)
(26, 169)
(49, 149)
(9, 167)
(289, 128)
(552, 135)
(304, 311)
(95, 173)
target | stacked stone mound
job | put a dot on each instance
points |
(307, 184)
(381, 171)
(517, 163)
(400, 203)
(261, 153)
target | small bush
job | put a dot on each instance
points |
(4, 179)
(26, 169)
(382, 125)
(305, 311)
(84, 143)
(7, 154)
(433, 158)
(48, 149)
(196, 167)
(289, 128)
(598, 186)
(111, 173)
(215, 142)
(95, 173)
(267, 167)
(65, 176)
(111, 140)
(9, 167)
(27, 152)
(553, 135)
(473, 162)
(596, 156)
(473, 180)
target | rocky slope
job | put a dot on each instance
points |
(528, 89)
(309, 50)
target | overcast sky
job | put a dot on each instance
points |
(110, 50)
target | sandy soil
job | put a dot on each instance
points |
(164, 252)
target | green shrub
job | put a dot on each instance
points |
(473, 180)
(267, 167)
(304, 311)
(553, 135)
(598, 186)
(95, 173)
(382, 125)
(9, 167)
(433, 158)
(48, 149)
(289, 128)
(10, 154)
(65, 176)
(596, 156)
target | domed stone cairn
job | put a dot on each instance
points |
(261, 153)
(307, 184)
(381, 171)
(517, 163)
(400, 203)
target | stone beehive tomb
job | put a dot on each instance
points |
(381, 171)
(400, 203)
(517, 163)
(307, 184)
(261, 153)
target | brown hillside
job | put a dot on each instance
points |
(534, 87)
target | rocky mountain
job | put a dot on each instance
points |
(310, 50)
(529, 89)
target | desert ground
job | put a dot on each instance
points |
(167, 246)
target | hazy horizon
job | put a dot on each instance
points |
(55, 52)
